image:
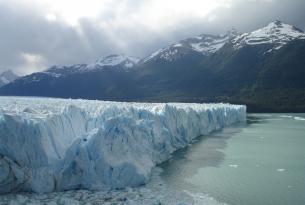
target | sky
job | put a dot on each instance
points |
(36, 34)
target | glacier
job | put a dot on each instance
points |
(49, 144)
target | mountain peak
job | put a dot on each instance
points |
(204, 44)
(280, 27)
(275, 34)
(116, 60)
(232, 32)
(276, 23)
(7, 72)
(7, 76)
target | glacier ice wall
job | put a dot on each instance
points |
(55, 144)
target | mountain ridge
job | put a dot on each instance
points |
(238, 68)
(7, 77)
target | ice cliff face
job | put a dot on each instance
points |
(54, 144)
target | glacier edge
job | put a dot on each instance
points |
(55, 144)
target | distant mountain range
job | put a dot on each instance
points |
(264, 69)
(7, 77)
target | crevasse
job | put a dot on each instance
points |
(55, 144)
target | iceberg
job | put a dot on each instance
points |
(49, 144)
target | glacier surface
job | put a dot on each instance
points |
(56, 144)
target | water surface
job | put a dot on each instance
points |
(261, 162)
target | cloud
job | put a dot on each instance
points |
(37, 34)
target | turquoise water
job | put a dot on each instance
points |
(260, 162)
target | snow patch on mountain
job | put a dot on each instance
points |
(115, 60)
(7, 77)
(4, 80)
(155, 54)
(276, 33)
(169, 54)
(211, 46)
(55, 144)
(204, 44)
(177, 45)
(112, 61)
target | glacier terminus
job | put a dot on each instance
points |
(49, 144)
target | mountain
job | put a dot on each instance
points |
(107, 78)
(202, 45)
(115, 61)
(7, 77)
(276, 34)
(119, 62)
(263, 69)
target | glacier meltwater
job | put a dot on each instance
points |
(60, 144)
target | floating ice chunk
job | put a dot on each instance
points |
(286, 116)
(299, 118)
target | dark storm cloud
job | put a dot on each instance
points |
(27, 36)
(249, 15)
(29, 42)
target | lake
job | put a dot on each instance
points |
(261, 162)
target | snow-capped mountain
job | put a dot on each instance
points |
(275, 34)
(7, 77)
(204, 44)
(118, 62)
(208, 44)
(123, 61)
(61, 70)
(111, 61)
(75, 80)
(247, 68)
